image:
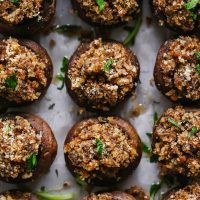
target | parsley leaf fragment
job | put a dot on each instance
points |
(99, 146)
(191, 4)
(193, 131)
(11, 81)
(80, 182)
(61, 76)
(101, 4)
(32, 162)
(6, 128)
(145, 148)
(198, 59)
(107, 65)
(174, 123)
(155, 187)
(155, 118)
(14, 1)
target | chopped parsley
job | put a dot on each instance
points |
(6, 128)
(191, 4)
(51, 196)
(61, 76)
(149, 135)
(153, 158)
(99, 146)
(145, 148)
(193, 131)
(130, 39)
(155, 187)
(80, 182)
(14, 1)
(101, 4)
(198, 59)
(107, 65)
(68, 28)
(174, 123)
(11, 81)
(155, 118)
(32, 162)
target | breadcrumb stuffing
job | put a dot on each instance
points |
(28, 67)
(118, 150)
(15, 195)
(174, 14)
(15, 13)
(178, 68)
(115, 11)
(99, 88)
(176, 142)
(190, 192)
(18, 141)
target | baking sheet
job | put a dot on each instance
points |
(65, 112)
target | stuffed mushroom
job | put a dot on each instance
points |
(17, 195)
(25, 72)
(188, 192)
(27, 147)
(177, 69)
(180, 15)
(23, 17)
(102, 151)
(175, 143)
(107, 13)
(102, 74)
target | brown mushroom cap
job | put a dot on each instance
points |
(38, 50)
(172, 144)
(99, 102)
(48, 146)
(31, 26)
(109, 16)
(122, 172)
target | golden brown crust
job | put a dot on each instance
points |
(17, 195)
(175, 72)
(191, 191)
(90, 86)
(48, 146)
(95, 175)
(116, 12)
(174, 15)
(40, 54)
(30, 26)
(176, 142)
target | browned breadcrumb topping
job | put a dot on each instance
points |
(138, 193)
(174, 14)
(28, 68)
(107, 196)
(99, 88)
(118, 149)
(115, 11)
(18, 141)
(190, 192)
(15, 196)
(177, 148)
(15, 13)
(178, 68)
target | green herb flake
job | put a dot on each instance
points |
(130, 39)
(193, 15)
(68, 28)
(32, 162)
(149, 135)
(61, 76)
(191, 4)
(107, 65)
(14, 1)
(198, 59)
(6, 128)
(153, 158)
(51, 196)
(80, 182)
(155, 187)
(11, 81)
(193, 131)
(101, 4)
(155, 118)
(145, 148)
(174, 123)
(99, 146)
